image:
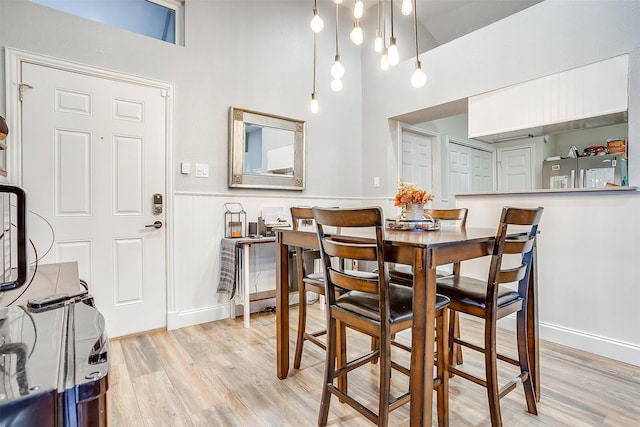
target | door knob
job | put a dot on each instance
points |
(156, 224)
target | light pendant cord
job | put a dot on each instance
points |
(337, 52)
(415, 27)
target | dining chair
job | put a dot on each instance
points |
(492, 300)
(308, 280)
(402, 274)
(371, 305)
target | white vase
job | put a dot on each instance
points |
(413, 212)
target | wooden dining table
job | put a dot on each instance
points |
(424, 251)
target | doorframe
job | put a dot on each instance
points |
(14, 58)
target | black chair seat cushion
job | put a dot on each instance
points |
(473, 292)
(315, 279)
(400, 304)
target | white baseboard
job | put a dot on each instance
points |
(602, 346)
(607, 347)
(182, 319)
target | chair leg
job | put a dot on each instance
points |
(385, 379)
(329, 370)
(341, 357)
(491, 367)
(457, 347)
(442, 368)
(455, 350)
(302, 322)
(375, 344)
(523, 358)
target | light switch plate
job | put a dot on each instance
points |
(202, 170)
(185, 168)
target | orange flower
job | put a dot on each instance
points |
(409, 193)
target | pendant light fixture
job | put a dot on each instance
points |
(419, 78)
(392, 50)
(337, 70)
(356, 35)
(317, 24)
(384, 57)
(379, 41)
(358, 9)
(314, 99)
(406, 7)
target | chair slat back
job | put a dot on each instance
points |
(522, 244)
(459, 214)
(298, 213)
(352, 247)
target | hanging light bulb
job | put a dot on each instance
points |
(392, 52)
(337, 70)
(406, 7)
(358, 9)
(356, 35)
(378, 42)
(314, 103)
(317, 24)
(384, 59)
(419, 78)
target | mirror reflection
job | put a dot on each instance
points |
(265, 151)
(268, 150)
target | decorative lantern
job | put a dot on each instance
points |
(235, 219)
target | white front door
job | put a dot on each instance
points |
(515, 169)
(93, 156)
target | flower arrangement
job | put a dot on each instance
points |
(409, 193)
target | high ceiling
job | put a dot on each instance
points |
(447, 20)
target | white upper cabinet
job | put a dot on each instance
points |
(589, 96)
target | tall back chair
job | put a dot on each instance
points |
(308, 280)
(402, 274)
(369, 304)
(491, 300)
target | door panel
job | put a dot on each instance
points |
(93, 156)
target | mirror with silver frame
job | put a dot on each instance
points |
(265, 151)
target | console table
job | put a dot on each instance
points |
(243, 265)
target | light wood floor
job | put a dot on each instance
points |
(220, 374)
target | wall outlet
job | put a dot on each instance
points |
(376, 181)
(202, 170)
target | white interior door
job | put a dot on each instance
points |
(515, 169)
(416, 164)
(93, 157)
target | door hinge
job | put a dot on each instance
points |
(163, 93)
(21, 87)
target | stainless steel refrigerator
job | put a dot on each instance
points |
(585, 172)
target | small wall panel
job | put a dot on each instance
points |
(128, 258)
(72, 173)
(127, 175)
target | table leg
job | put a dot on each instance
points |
(245, 283)
(282, 310)
(422, 338)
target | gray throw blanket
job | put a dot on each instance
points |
(228, 254)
